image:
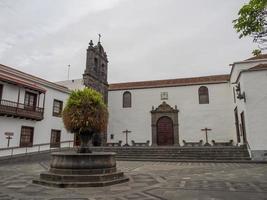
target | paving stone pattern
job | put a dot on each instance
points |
(148, 181)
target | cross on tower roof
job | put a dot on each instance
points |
(99, 36)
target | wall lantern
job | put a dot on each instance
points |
(240, 95)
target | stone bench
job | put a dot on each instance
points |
(114, 144)
(230, 143)
(193, 144)
(140, 144)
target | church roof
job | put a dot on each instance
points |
(261, 56)
(171, 82)
(258, 67)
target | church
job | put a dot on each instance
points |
(225, 109)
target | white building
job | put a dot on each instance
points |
(231, 108)
(249, 80)
(174, 112)
(30, 110)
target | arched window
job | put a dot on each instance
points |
(103, 74)
(203, 95)
(96, 64)
(127, 100)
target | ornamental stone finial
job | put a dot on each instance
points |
(91, 43)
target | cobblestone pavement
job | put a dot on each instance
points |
(148, 181)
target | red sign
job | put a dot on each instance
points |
(9, 133)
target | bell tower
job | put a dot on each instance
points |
(95, 74)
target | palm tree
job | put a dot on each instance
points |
(85, 114)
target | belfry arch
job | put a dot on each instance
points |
(161, 119)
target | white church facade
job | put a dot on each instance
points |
(227, 109)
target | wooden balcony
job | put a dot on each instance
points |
(18, 110)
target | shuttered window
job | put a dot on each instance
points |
(55, 138)
(26, 136)
(57, 108)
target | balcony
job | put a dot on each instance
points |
(18, 110)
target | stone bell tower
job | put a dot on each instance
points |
(95, 74)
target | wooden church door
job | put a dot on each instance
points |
(165, 131)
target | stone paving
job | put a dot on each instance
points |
(148, 181)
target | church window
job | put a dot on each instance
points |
(127, 100)
(203, 95)
(112, 136)
(103, 70)
(96, 64)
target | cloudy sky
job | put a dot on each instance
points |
(144, 39)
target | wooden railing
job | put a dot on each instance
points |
(36, 148)
(10, 108)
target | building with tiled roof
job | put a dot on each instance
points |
(215, 110)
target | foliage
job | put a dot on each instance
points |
(251, 21)
(256, 52)
(85, 111)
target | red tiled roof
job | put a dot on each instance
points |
(261, 56)
(258, 67)
(18, 81)
(33, 80)
(171, 82)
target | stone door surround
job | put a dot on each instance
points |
(163, 110)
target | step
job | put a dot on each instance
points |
(190, 160)
(48, 176)
(79, 184)
(185, 158)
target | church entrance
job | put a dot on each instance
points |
(165, 131)
(164, 124)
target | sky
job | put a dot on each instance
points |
(144, 39)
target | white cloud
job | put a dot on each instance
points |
(144, 39)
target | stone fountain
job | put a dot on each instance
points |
(72, 169)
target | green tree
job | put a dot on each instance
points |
(251, 21)
(85, 114)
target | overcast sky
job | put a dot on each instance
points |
(144, 39)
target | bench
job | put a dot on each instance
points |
(114, 144)
(140, 144)
(230, 143)
(193, 144)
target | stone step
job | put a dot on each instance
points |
(187, 160)
(183, 158)
(165, 150)
(178, 153)
(82, 171)
(79, 184)
(189, 153)
(48, 176)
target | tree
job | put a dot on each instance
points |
(251, 21)
(85, 114)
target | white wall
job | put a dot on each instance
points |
(42, 129)
(238, 67)
(217, 115)
(255, 87)
(254, 84)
